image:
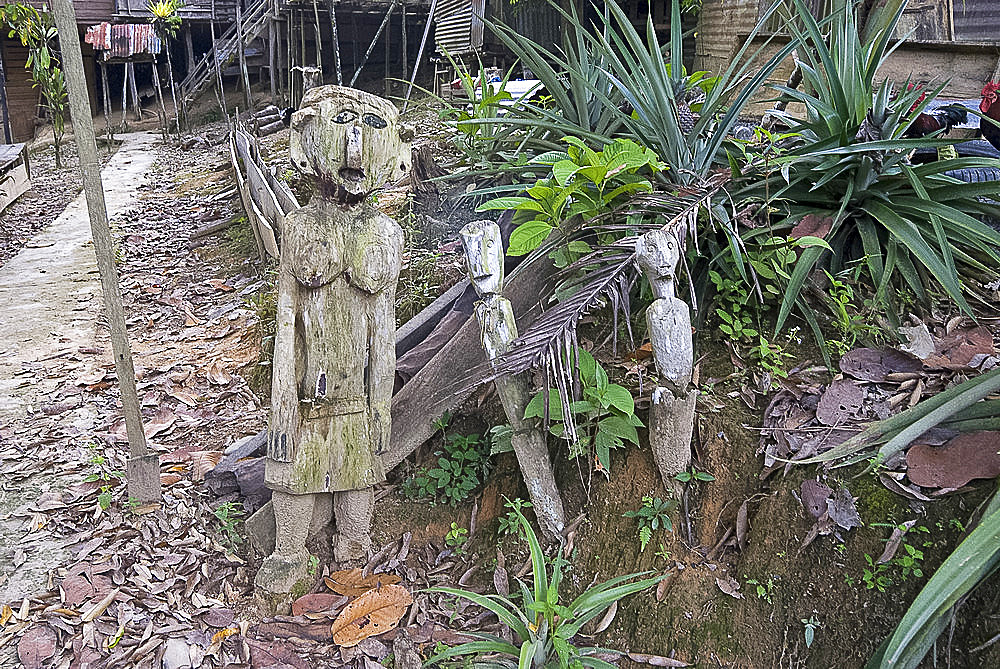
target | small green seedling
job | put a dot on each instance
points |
(810, 624)
(456, 538)
(509, 524)
(653, 514)
(694, 474)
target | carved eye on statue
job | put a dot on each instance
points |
(345, 116)
(374, 120)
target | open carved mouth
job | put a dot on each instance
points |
(350, 175)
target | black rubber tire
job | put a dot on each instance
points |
(976, 175)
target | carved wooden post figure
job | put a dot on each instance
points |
(334, 356)
(484, 258)
(671, 416)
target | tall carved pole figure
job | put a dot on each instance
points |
(334, 353)
(668, 319)
(484, 260)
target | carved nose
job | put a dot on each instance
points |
(354, 148)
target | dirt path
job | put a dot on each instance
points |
(50, 303)
(50, 292)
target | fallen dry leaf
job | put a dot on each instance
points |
(968, 456)
(218, 375)
(161, 421)
(170, 479)
(203, 462)
(36, 646)
(730, 586)
(840, 403)
(353, 582)
(373, 613)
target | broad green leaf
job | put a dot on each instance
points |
(528, 236)
(509, 202)
(620, 398)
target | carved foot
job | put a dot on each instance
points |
(347, 549)
(284, 575)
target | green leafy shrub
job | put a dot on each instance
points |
(605, 413)
(460, 468)
(544, 626)
(584, 185)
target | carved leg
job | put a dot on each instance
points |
(353, 511)
(289, 563)
(533, 458)
(671, 423)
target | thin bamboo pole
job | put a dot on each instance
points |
(420, 53)
(143, 472)
(371, 47)
(247, 97)
(3, 103)
(319, 40)
(159, 98)
(336, 42)
(106, 89)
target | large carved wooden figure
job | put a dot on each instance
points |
(334, 356)
(668, 319)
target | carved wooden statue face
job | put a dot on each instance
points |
(349, 140)
(659, 252)
(484, 255)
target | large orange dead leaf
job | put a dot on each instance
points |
(373, 613)
(353, 582)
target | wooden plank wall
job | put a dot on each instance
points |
(22, 99)
(87, 11)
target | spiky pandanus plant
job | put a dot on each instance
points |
(166, 22)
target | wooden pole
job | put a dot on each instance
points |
(302, 54)
(108, 130)
(221, 93)
(173, 87)
(124, 97)
(336, 42)
(3, 102)
(189, 47)
(136, 107)
(420, 53)
(371, 47)
(406, 50)
(319, 41)
(282, 33)
(290, 60)
(159, 99)
(247, 98)
(388, 56)
(143, 475)
(272, 58)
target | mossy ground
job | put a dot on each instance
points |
(697, 622)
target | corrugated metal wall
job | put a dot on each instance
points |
(458, 25)
(977, 20)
